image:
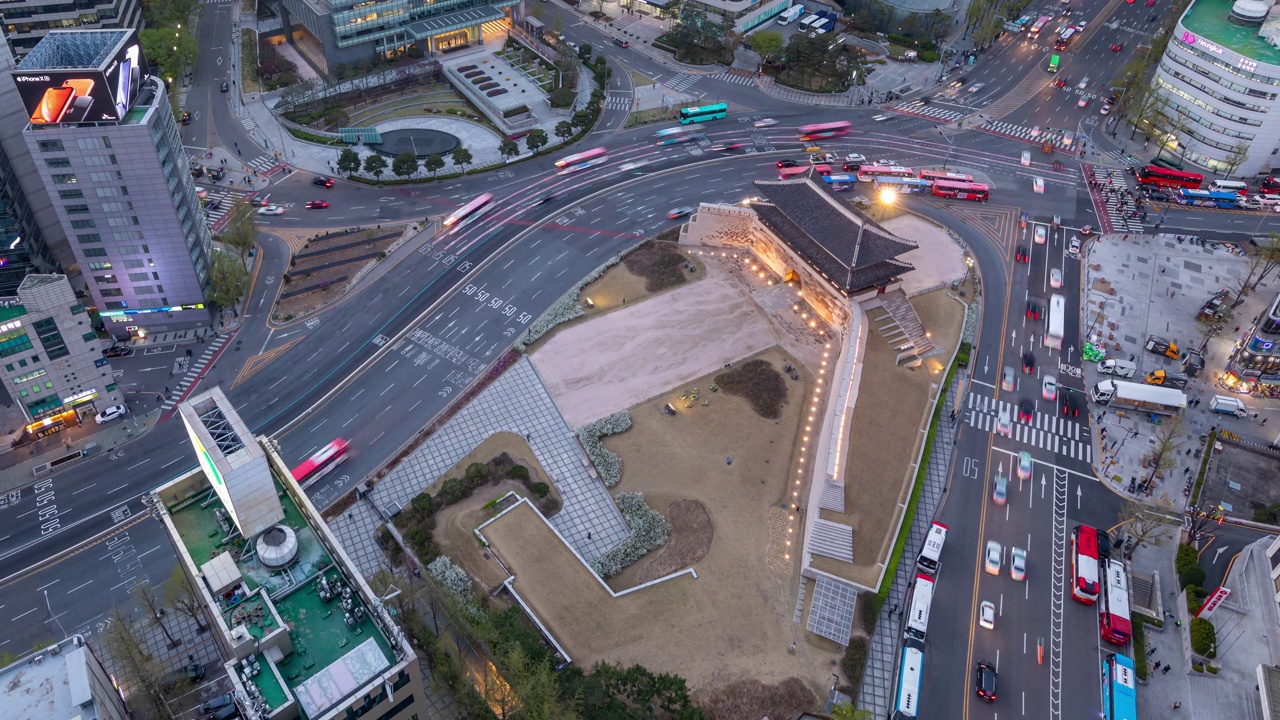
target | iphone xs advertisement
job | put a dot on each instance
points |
(83, 95)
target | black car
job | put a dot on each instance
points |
(117, 351)
(1034, 310)
(1157, 196)
(224, 86)
(851, 166)
(186, 118)
(621, 43)
(1029, 364)
(192, 673)
(1023, 254)
(323, 182)
(1070, 404)
(985, 681)
(787, 163)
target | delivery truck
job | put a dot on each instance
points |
(1119, 394)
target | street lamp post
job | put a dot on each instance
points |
(951, 145)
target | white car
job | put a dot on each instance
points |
(855, 158)
(882, 162)
(1038, 185)
(1035, 131)
(1018, 564)
(1024, 465)
(993, 558)
(1049, 388)
(1042, 234)
(1000, 490)
(1074, 246)
(1106, 110)
(1004, 423)
(1008, 379)
(1055, 278)
(765, 122)
(109, 414)
(271, 210)
(1084, 102)
(1083, 83)
(976, 87)
(987, 615)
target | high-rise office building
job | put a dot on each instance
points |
(63, 680)
(105, 145)
(26, 22)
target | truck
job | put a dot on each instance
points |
(1160, 346)
(791, 14)
(1121, 368)
(1175, 380)
(808, 22)
(1135, 396)
(1227, 405)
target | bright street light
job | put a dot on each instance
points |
(888, 196)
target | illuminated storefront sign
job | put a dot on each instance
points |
(145, 311)
(1190, 39)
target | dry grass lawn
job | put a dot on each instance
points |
(734, 621)
(883, 444)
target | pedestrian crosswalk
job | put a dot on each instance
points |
(193, 372)
(263, 163)
(1050, 432)
(916, 107)
(620, 101)
(1117, 198)
(681, 82)
(220, 202)
(248, 123)
(1022, 132)
(736, 79)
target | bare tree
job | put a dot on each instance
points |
(183, 598)
(1163, 454)
(1268, 249)
(149, 598)
(1143, 523)
(1239, 153)
(139, 673)
(1255, 261)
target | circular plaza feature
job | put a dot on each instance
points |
(419, 141)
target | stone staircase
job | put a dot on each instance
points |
(898, 324)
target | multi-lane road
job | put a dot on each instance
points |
(381, 363)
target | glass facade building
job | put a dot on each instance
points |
(26, 22)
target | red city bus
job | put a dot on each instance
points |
(868, 173)
(961, 190)
(1113, 617)
(1164, 177)
(934, 175)
(1270, 186)
(1084, 564)
(317, 466)
(787, 173)
(822, 131)
(471, 210)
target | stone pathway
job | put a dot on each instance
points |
(516, 402)
(882, 660)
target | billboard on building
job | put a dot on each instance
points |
(83, 95)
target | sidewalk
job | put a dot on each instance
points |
(1141, 285)
(17, 464)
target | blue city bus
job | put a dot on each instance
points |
(1207, 198)
(912, 186)
(1119, 688)
(703, 114)
(907, 704)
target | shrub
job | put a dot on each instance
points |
(649, 530)
(1187, 558)
(456, 581)
(1269, 515)
(1139, 642)
(1191, 576)
(562, 97)
(518, 110)
(518, 472)
(608, 465)
(870, 611)
(541, 489)
(1193, 600)
(1203, 637)
(476, 473)
(854, 660)
(761, 385)
(660, 265)
(929, 56)
(453, 490)
(962, 355)
(567, 307)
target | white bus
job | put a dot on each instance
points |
(931, 553)
(907, 704)
(921, 600)
(1057, 322)
(791, 14)
(808, 22)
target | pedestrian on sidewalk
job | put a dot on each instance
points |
(1177, 705)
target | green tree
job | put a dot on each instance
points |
(564, 130)
(508, 149)
(241, 232)
(433, 164)
(229, 280)
(169, 13)
(172, 49)
(405, 164)
(462, 158)
(582, 119)
(349, 161)
(375, 165)
(536, 138)
(846, 711)
(766, 42)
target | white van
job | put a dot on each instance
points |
(1234, 186)
(1228, 406)
(1122, 368)
(808, 22)
(791, 15)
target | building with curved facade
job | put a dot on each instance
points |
(1221, 75)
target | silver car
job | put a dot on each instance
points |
(1018, 564)
(993, 558)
